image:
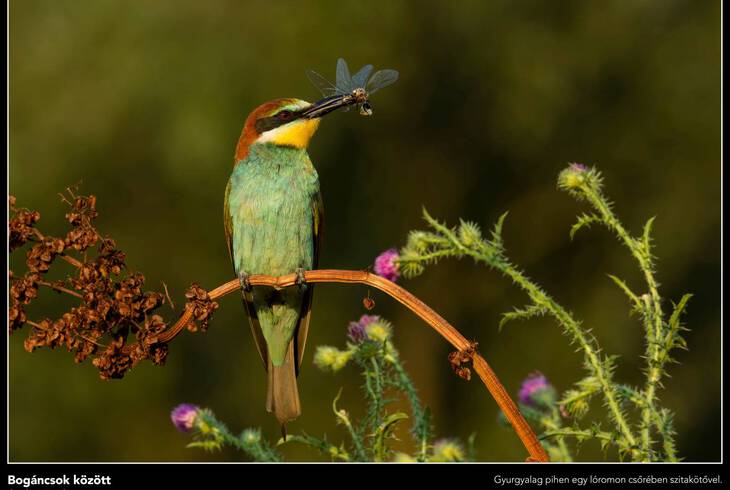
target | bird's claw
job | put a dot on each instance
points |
(243, 278)
(301, 280)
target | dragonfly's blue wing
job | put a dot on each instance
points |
(321, 83)
(381, 78)
(344, 82)
(359, 78)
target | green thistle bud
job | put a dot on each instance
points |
(331, 358)
(251, 436)
(379, 331)
(446, 450)
(408, 262)
(573, 177)
(417, 242)
(469, 233)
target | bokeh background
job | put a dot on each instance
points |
(144, 102)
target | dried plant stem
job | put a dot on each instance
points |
(60, 289)
(433, 319)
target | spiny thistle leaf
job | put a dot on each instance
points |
(576, 402)
(320, 444)
(526, 313)
(674, 323)
(632, 296)
(584, 221)
(631, 394)
(436, 225)
(646, 239)
(384, 431)
(208, 445)
(497, 232)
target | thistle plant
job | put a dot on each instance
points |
(651, 438)
(369, 346)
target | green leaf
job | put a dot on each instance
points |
(209, 445)
(320, 444)
(638, 305)
(646, 239)
(497, 231)
(342, 416)
(674, 323)
(435, 224)
(584, 221)
(383, 431)
(526, 313)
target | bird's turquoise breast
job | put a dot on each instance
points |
(270, 205)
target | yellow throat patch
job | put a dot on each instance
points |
(296, 133)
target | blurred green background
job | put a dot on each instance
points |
(144, 103)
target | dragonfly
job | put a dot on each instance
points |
(357, 88)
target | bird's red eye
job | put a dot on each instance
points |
(284, 115)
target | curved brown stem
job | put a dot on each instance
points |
(421, 309)
(60, 289)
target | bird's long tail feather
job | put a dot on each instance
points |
(282, 397)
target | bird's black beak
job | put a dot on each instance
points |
(327, 105)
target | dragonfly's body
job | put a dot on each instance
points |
(359, 86)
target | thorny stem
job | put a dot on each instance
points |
(563, 317)
(345, 420)
(491, 253)
(580, 434)
(421, 429)
(551, 422)
(377, 400)
(374, 389)
(654, 327)
(423, 311)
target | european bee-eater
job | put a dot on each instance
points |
(273, 224)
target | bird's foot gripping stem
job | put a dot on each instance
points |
(243, 278)
(301, 280)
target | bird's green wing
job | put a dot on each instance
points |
(258, 335)
(306, 313)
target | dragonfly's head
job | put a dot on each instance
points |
(284, 122)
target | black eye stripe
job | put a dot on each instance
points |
(268, 123)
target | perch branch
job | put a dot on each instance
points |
(433, 319)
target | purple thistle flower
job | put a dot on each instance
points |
(356, 330)
(385, 265)
(578, 167)
(183, 416)
(531, 386)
